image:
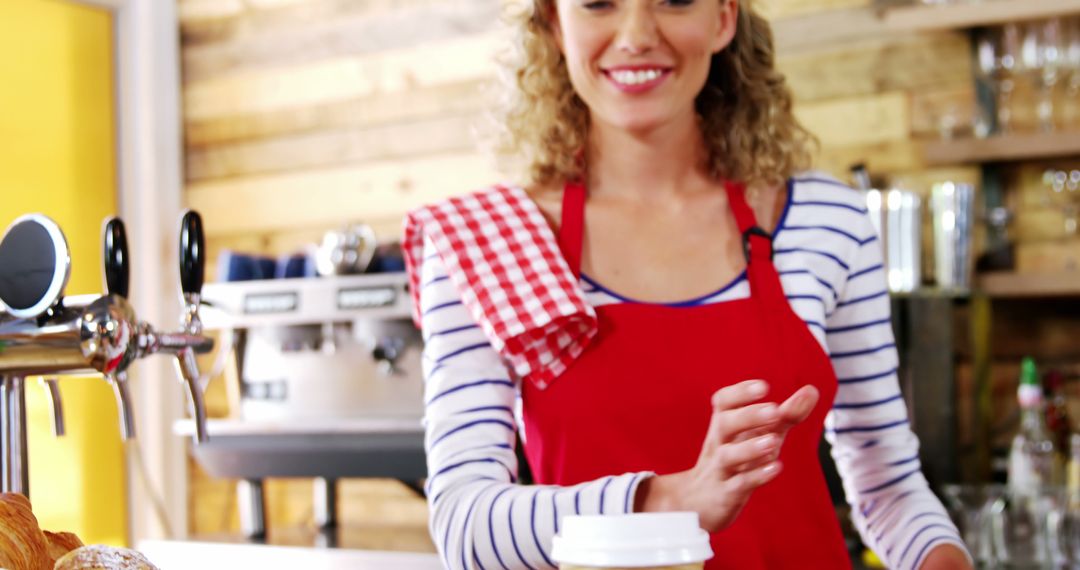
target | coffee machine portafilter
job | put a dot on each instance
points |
(43, 333)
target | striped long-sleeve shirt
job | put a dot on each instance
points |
(830, 264)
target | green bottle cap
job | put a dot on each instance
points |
(1029, 373)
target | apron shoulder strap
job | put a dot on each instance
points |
(757, 243)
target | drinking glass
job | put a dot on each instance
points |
(1026, 528)
(970, 507)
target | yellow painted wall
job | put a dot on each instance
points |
(57, 156)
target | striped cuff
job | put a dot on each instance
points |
(915, 544)
(942, 540)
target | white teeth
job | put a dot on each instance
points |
(635, 77)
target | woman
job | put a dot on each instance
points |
(664, 159)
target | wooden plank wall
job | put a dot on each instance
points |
(302, 115)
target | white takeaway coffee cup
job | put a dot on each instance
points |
(641, 541)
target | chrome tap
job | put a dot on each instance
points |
(53, 386)
(117, 280)
(192, 272)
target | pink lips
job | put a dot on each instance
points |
(636, 88)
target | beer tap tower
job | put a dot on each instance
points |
(43, 333)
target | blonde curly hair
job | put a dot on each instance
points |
(745, 108)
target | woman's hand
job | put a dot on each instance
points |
(946, 557)
(739, 455)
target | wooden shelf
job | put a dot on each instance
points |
(817, 30)
(1007, 284)
(1007, 148)
(914, 18)
(835, 27)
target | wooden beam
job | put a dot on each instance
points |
(333, 196)
(355, 33)
(916, 63)
(917, 17)
(368, 112)
(777, 9)
(1006, 148)
(935, 112)
(827, 29)
(207, 21)
(343, 79)
(1029, 284)
(451, 133)
(858, 120)
(891, 156)
(1058, 256)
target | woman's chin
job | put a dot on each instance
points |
(637, 123)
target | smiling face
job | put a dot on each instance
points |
(640, 64)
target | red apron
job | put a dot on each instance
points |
(638, 399)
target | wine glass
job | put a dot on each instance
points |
(997, 54)
(1062, 191)
(1041, 55)
(1070, 63)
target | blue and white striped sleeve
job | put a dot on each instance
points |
(479, 517)
(876, 453)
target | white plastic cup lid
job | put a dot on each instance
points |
(637, 540)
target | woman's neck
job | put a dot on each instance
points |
(646, 166)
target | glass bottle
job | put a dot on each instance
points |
(1032, 461)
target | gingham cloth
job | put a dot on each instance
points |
(505, 261)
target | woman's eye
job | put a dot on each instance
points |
(598, 5)
(678, 2)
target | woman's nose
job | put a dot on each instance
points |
(638, 32)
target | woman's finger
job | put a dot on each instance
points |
(739, 395)
(798, 407)
(731, 423)
(747, 455)
(734, 396)
(747, 481)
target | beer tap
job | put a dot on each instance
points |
(117, 279)
(44, 333)
(192, 271)
(52, 385)
(36, 269)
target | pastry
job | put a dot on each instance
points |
(60, 543)
(22, 544)
(99, 556)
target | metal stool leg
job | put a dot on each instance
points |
(325, 506)
(252, 503)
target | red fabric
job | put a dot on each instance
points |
(638, 399)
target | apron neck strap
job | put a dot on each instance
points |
(744, 216)
(572, 225)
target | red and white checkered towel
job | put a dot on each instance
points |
(505, 261)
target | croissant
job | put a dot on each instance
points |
(98, 556)
(60, 543)
(22, 544)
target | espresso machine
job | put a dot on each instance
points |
(326, 381)
(43, 333)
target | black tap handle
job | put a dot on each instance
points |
(117, 269)
(192, 253)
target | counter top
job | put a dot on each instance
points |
(178, 555)
(370, 447)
